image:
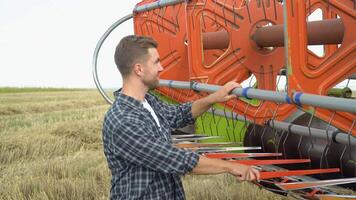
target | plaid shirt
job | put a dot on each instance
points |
(140, 155)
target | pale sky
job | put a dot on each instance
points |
(50, 43)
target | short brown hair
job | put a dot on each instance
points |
(131, 49)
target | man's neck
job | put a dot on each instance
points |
(134, 89)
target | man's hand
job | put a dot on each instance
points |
(224, 93)
(244, 172)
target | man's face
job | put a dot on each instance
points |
(152, 68)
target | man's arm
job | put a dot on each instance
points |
(202, 105)
(217, 166)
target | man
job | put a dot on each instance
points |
(137, 128)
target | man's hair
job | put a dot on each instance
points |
(130, 50)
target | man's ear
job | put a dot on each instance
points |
(137, 69)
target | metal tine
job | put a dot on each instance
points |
(245, 120)
(158, 19)
(299, 144)
(188, 136)
(254, 116)
(263, 133)
(275, 133)
(275, 9)
(202, 121)
(232, 120)
(175, 140)
(248, 11)
(284, 143)
(199, 145)
(226, 149)
(349, 134)
(172, 18)
(227, 121)
(212, 119)
(264, 9)
(215, 20)
(223, 10)
(177, 21)
(310, 135)
(329, 141)
(162, 17)
(215, 121)
(241, 155)
(340, 161)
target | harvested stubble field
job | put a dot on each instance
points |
(51, 148)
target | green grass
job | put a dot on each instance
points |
(51, 148)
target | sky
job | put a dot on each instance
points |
(50, 43)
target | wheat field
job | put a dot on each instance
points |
(51, 148)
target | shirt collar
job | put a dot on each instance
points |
(122, 98)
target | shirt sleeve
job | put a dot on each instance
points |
(134, 142)
(178, 116)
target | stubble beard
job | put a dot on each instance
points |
(152, 84)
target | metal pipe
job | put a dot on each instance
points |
(332, 103)
(157, 4)
(216, 40)
(329, 31)
(338, 137)
(96, 53)
(352, 76)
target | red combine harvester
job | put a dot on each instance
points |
(303, 136)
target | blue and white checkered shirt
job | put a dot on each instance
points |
(143, 162)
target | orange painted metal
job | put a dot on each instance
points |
(185, 54)
(303, 185)
(317, 76)
(240, 155)
(335, 197)
(271, 162)
(168, 27)
(198, 145)
(277, 174)
(242, 54)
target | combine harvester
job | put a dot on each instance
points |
(303, 137)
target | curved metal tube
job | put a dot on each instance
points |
(157, 4)
(96, 53)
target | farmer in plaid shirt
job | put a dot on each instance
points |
(137, 131)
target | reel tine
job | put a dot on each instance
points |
(275, 133)
(233, 120)
(310, 135)
(349, 137)
(227, 122)
(263, 132)
(329, 141)
(223, 10)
